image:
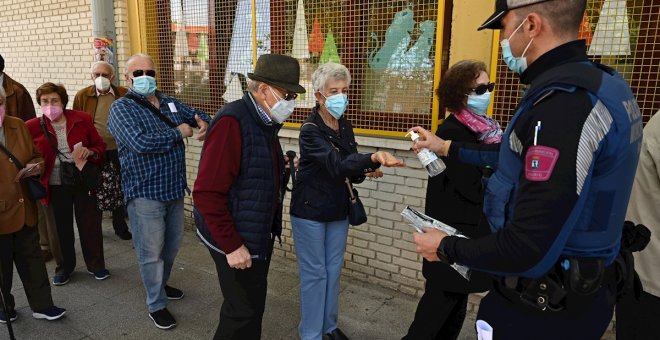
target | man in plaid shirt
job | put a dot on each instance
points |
(149, 128)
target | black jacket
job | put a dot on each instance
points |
(326, 159)
(455, 197)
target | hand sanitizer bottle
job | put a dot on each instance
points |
(429, 160)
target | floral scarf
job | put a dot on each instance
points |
(487, 129)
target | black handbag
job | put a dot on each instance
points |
(356, 213)
(36, 190)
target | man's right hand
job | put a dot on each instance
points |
(186, 130)
(430, 141)
(239, 258)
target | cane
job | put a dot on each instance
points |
(2, 297)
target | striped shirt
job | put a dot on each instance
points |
(151, 153)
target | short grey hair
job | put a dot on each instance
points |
(327, 72)
(101, 62)
(3, 95)
(138, 55)
(253, 85)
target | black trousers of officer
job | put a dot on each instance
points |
(244, 294)
(638, 320)
(511, 320)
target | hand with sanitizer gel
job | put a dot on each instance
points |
(434, 165)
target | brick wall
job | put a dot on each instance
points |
(51, 40)
(380, 251)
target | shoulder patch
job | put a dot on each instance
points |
(540, 162)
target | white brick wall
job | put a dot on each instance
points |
(380, 251)
(52, 40)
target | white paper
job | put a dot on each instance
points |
(77, 145)
(484, 330)
(172, 107)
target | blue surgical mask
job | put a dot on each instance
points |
(282, 109)
(336, 104)
(516, 64)
(478, 103)
(144, 85)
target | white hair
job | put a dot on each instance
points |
(135, 56)
(329, 71)
(101, 62)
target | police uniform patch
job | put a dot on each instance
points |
(539, 163)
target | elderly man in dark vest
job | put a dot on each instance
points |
(239, 191)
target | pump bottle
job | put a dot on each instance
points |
(434, 165)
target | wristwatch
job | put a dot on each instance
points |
(442, 254)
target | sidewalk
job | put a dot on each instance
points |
(115, 308)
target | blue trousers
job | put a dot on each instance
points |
(320, 248)
(157, 235)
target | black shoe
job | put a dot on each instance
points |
(11, 316)
(124, 235)
(337, 334)
(173, 293)
(163, 319)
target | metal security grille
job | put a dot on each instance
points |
(622, 34)
(204, 49)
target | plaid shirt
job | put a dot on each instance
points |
(150, 152)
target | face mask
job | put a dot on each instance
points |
(144, 85)
(282, 109)
(336, 104)
(102, 83)
(516, 64)
(2, 114)
(52, 112)
(478, 103)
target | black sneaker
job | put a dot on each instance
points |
(124, 235)
(163, 319)
(51, 313)
(12, 316)
(173, 293)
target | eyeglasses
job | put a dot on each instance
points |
(482, 88)
(287, 95)
(140, 73)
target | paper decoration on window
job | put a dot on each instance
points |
(330, 50)
(397, 38)
(203, 50)
(240, 49)
(316, 42)
(585, 30)
(300, 42)
(612, 34)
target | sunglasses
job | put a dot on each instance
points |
(287, 95)
(140, 73)
(482, 88)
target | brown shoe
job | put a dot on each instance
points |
(46, 254)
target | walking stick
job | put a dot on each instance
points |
(3, 265)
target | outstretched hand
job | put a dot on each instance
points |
(386, 159)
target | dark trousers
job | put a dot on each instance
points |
(513, 321)
(67, 201)
(119, 214)
(638, 320)
(244, 293)
(22, 248)
(440, 314)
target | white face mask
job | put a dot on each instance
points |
(282, 109)
(102, 83)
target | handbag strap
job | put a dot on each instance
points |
(142, 101)
(13, 158)
(350, 189)
(58, 153)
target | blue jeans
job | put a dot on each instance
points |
(320, 248)
(157, 233)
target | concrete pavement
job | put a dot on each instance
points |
(115, 308)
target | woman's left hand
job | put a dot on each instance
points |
(386, 159)
(374, 174)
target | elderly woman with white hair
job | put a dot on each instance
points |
(320, 199)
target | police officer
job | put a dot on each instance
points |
(563, 173)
